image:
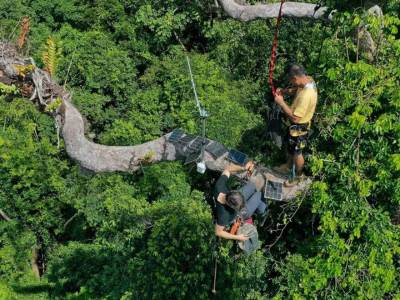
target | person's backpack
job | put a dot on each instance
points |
(251, 244)
(274, 126)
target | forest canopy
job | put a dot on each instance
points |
(69, 233)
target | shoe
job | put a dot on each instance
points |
(295, 181)
(282, 169)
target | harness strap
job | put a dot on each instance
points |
(300, 127)
(272, 59)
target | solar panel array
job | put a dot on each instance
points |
(192, 157)
(176, 135)
(195, 143)
(198, 143)
(187, 139)
(216, 149)
(273, 190)
(237, 157)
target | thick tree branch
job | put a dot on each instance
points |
(247, 13)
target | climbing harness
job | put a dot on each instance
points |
(272, 60)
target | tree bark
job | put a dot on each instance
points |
(243, 12)
(247, 13)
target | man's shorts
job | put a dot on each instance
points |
(296, 144)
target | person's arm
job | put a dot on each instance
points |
(232, 168)
(287, 91)
(220, 232)
(286, 109)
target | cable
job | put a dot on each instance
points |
(201, 167)
(202, 112)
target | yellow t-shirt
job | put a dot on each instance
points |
(305, 102)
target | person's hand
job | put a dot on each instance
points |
(249, 167)
(242, 237)
(280, 91)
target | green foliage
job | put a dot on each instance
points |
(54, 105)
(51, 55)
(8, 89)
(146, 266)
(150, 235)
(157, 183)
(31, 170)
(167, 99)
(14, 253)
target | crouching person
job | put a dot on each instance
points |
(232, 204)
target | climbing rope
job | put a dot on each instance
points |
(202, 112)
(273, 51)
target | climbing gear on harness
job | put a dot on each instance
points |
(273, 51)
(235, 227)
(297, 143)
(299, 129)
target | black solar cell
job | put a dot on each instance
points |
(237, 157)
(187, 139)
(216, 149)
(198, 143)
(176, 135)
(273, 190)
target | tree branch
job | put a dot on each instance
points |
(247, 13)
(4, 216)
(102, 158)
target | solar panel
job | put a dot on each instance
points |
(237, 157)
(187, 139)
(273, 190)
(198, 143)
(216, 149)
(192, 157)
(175, 135)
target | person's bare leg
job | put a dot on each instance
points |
(299, 163)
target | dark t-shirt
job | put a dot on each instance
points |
(225, 214)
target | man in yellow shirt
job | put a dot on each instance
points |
(300, 114)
